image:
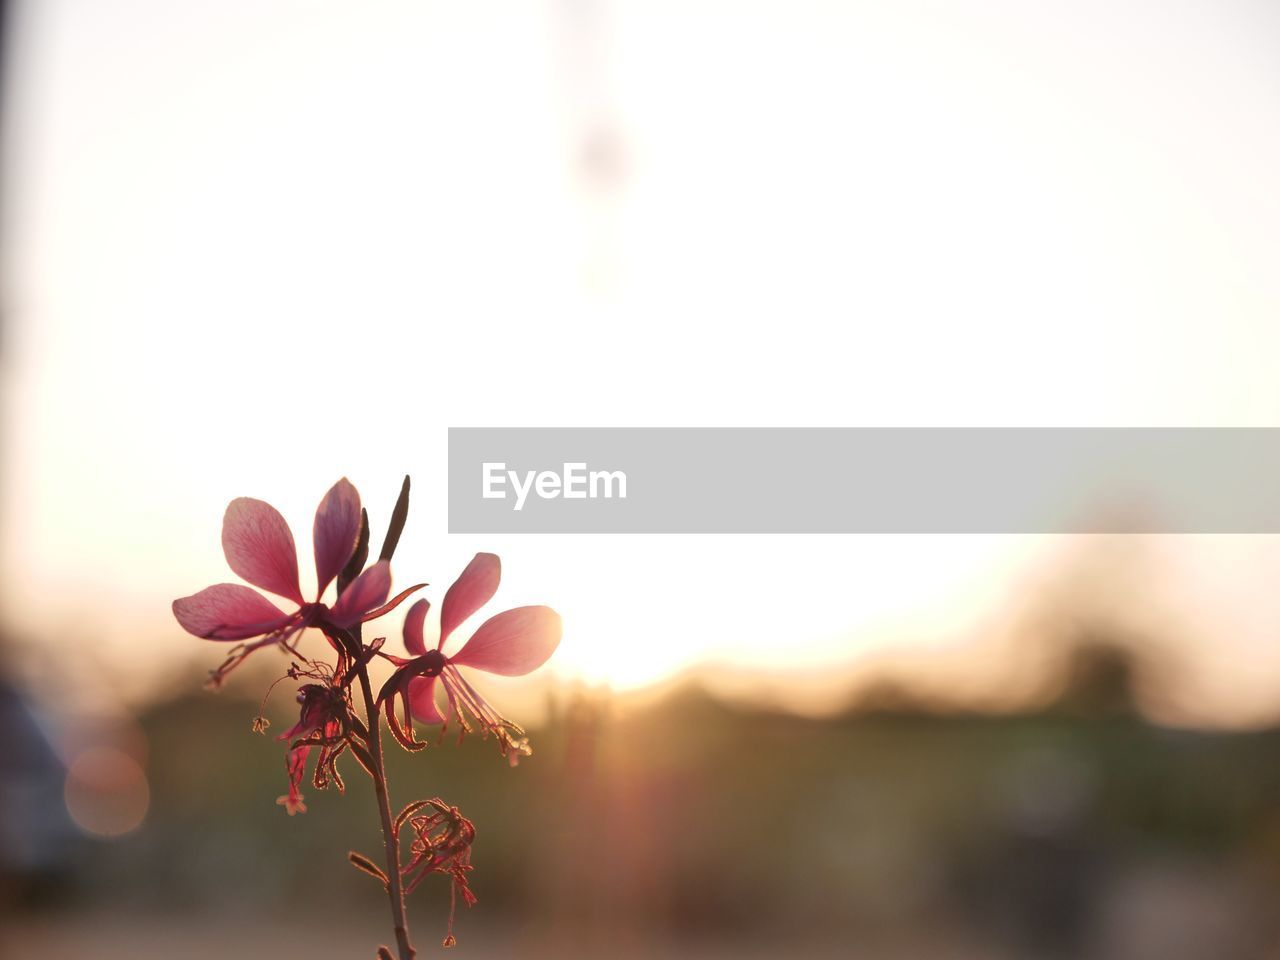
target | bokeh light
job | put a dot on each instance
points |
(107, 793)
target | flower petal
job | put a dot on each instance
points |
(228, 611)
(472, 590)
(422, 700)
(364, 593)
(259, 547)
(336, 529)
(512, 643)
(413, 641)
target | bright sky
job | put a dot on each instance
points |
(254, 246)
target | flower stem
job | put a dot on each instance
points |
(395, 890)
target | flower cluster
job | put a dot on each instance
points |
(338, 713)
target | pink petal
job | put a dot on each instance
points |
(336, 529)
(301, 728)
(259, 547)
(422, 700)
(471, 591)
(413, 641)
(228, 611)
(512, 643)
(364, 593)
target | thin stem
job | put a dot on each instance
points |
(395, 890)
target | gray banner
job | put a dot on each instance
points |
(863, 480)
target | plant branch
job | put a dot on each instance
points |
(390, 837)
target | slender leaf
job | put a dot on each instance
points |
(361, 862)
(398, 517)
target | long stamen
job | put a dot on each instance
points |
(241, 651)
(463, 699)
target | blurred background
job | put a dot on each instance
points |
(250, 247)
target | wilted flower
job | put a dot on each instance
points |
(509, 644)
(259, 547)
(441, 844)
(324, 722)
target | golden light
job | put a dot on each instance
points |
(1091, 228)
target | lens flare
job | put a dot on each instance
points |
(107, 793)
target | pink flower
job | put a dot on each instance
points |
(509, 644)
(259, 547)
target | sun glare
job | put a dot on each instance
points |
(457, 266)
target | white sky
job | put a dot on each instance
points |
(254, 246)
